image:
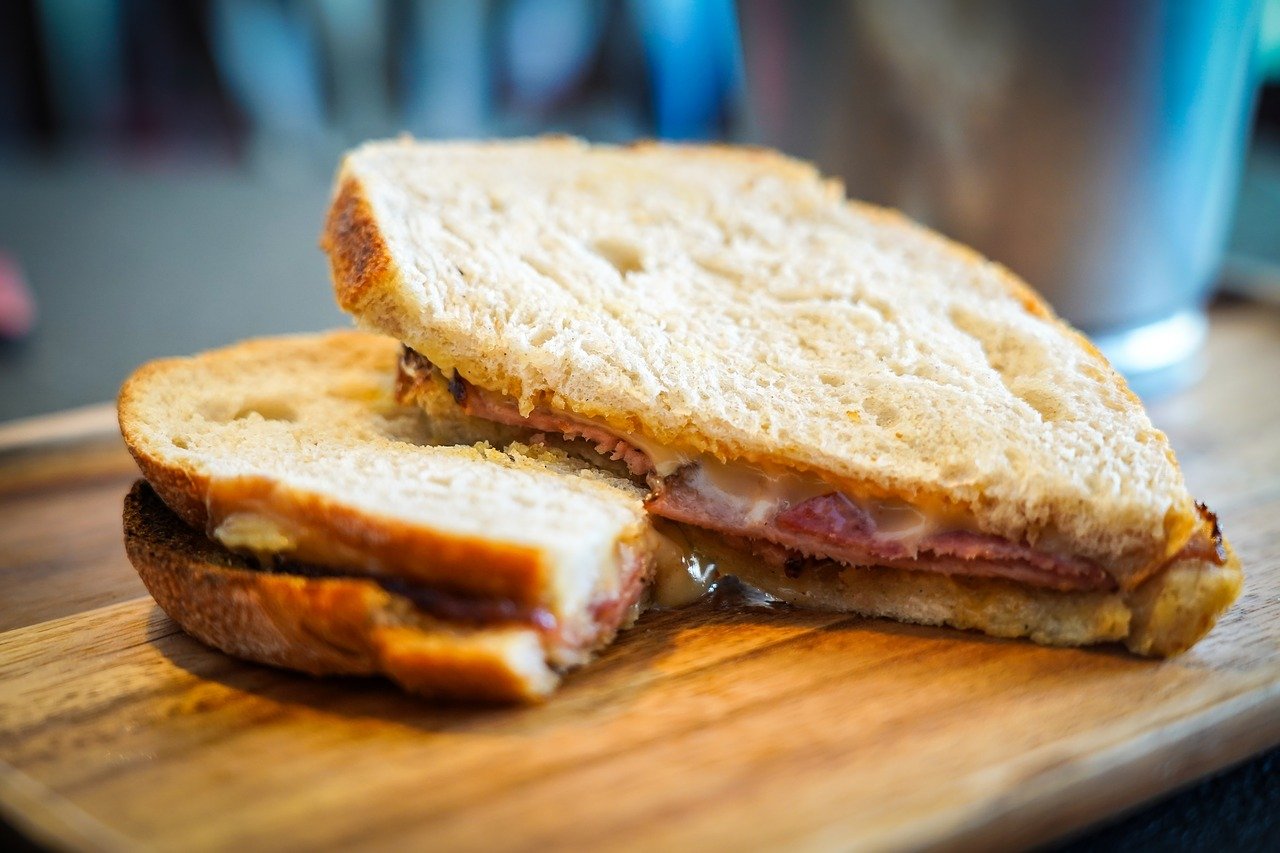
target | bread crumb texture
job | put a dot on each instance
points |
(733, 301)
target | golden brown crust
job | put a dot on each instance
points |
(437, 664)
(396, 548)
(1179, 605)
(321, 626)
(180, 486)
(357, 253)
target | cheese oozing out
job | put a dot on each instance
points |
(682, 574)
(255, 534)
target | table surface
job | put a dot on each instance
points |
(712, 725)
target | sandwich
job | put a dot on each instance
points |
(852, 412)
(293, 514)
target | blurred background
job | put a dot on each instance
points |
(165, 166)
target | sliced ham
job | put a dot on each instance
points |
(833, 527)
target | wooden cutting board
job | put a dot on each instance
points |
(705, 727)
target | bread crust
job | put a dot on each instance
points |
(322, 626)
(386, 545)
(357, 252)
(369, 283)
(1163, 616)
(393, 547)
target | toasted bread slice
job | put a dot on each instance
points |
(1165, 615)
(322, 625)
(294, 449)
(730, 304)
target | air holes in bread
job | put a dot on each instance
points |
(625, 257)
(541, 336)
(543, 268)
(718, 268)
(863, 318)
(269, 409)
(884, 413)
(879, 306)
(1044, 401)
(1014, 355)
(179, 441)
(971, 323)
(1148, 436)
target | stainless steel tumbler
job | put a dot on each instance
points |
(1093, 146)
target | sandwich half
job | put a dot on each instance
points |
(296, 515)
(881, 419)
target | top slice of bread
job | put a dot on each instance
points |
(733, 301)
(304, 432)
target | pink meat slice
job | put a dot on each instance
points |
(833, 527)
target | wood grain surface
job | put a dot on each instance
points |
(709, 727)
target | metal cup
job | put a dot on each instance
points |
(1092, 146)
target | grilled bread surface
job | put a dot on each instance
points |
(732, 301)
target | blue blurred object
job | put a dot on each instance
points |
(1093, 147)
(260, 81)
(270, 63)
(83, 41)
(446, 75)
(694, 61)
(548, 45)
(357, 38)
(1269, 40)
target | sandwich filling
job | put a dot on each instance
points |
(283, 543)
(794, 518)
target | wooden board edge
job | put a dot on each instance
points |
(50, 820)
(1123, 778)
(93, 421)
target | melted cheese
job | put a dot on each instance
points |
(665, 460)
(692, 563)
(255, 534)
(681, 574)
(759, 493)
(244, 517)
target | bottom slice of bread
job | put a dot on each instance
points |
(1164, 616)
(323, 625)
